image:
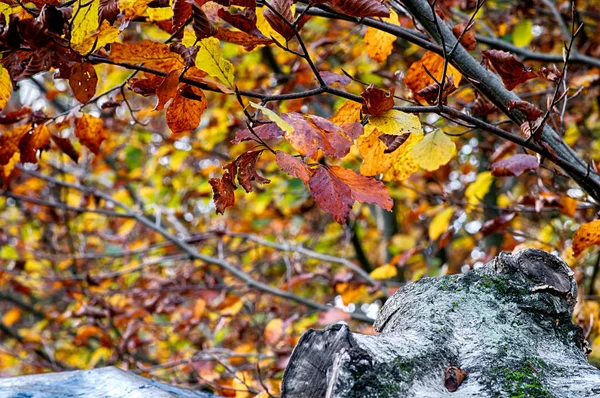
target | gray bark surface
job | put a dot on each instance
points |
(507, 324)
(97, 383)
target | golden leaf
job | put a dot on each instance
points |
(379, 44)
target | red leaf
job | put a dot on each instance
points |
(244, 21)
(182, 11)
(329, 78)
(331, 194)
(223, 189)
(247, 173)
(202, 26)
(360, 8)
(284, 9)
(317, 133)
(249, 42)
(264, 132)
(83, 81)
(364, 189)
(512, 71)
(293, 166)
(515, 165)
(531, 111)
(332, 136)
(468, 40)
(377, 101)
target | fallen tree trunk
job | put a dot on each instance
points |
(507, 326)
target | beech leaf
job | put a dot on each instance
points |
(395, 122)
(247, 173)
(511, 71)
(587, 234)
(331, 194)
(83, 81)
(184, 113)
(364, 189)
(360, 8)
(434, 150)
(90, 131)
(377, 101)
(515, 165)
(293, 166)
(224, 188)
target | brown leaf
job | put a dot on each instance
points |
(454, 378)
(187, 53)
(35, 140)
(482, 106)
(184, 114)
(515, 165)
(249, 42)
(83, 81)
(317, 133)
(468, 40)
(202, 26)
(293, 166)
(377, 101)
(182, 11)
(15, 116)
(417, 77)
(511, 71)
(247, 173)
(145, 87)
(167, 89)
(331, 194)
(66, 146)
(364, 189)
(244, 21)
(224, 188)
(54, 19)
(264, 132)
(109, 10)
(431, 93)
(551, 74)
(497, 224)
(360, 8)
(90, 132)
(284, 9)
(393, 142)
(531, 111)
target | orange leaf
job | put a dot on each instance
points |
(35, 140)
(348, 113)
(83, 81)
(274, 331)
(90, 132)
(417, 78)
(9, 142)
(185, 111)
(587, 235)
(224, 188)
(11, 316)
(167, 89)
(154, 55)
(364, 189)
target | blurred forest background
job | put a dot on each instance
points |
(119, 118)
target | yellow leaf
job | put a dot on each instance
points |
(348, 113)
(275, 118)
(395, 122)
(133, 8)
(154, 55)
(159, 14)
(12, 316)
(351, 292)
(266, 29)
(386, 271)
(5, 87)
(210, 60)
(90, 132)
(379, 44)
(434, 150)
(587, 235)
(100, 354)
(105, 35)
(439, 224)
(84, 22)
(479, 188)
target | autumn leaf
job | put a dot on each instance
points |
(263, 132)
(167, 89)
(404, 164)
(246, 172)
(417, 78)
(293, 166)
(454, 378)
(203, 28)
(440, 223)
(515, 165)
(5, 87)
(377, 101)
(84, 23)
(360, 8)
(434, 150)
(35, 140)
(330, 78)
(274, 117)
(90, 132)
(468, 40)
(530, 111)
(224, 188)
(587, 234)
(511, 71)
(108, 10)
(280, 17)
(152, 54)
(83, 81)
(65, 145)
(11, 316)
(396, 122)
(210, 60)
(184, 113)
(479, 188)
(9, 142)
(379, 44)
(106, 34)
(182, 11)
(348, 113)
(393, 142)
(274, 331)
(386, 271)
(364, 189)
(331, 194)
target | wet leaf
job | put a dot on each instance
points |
(511, 71)
(454, 378)
(83, 81)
